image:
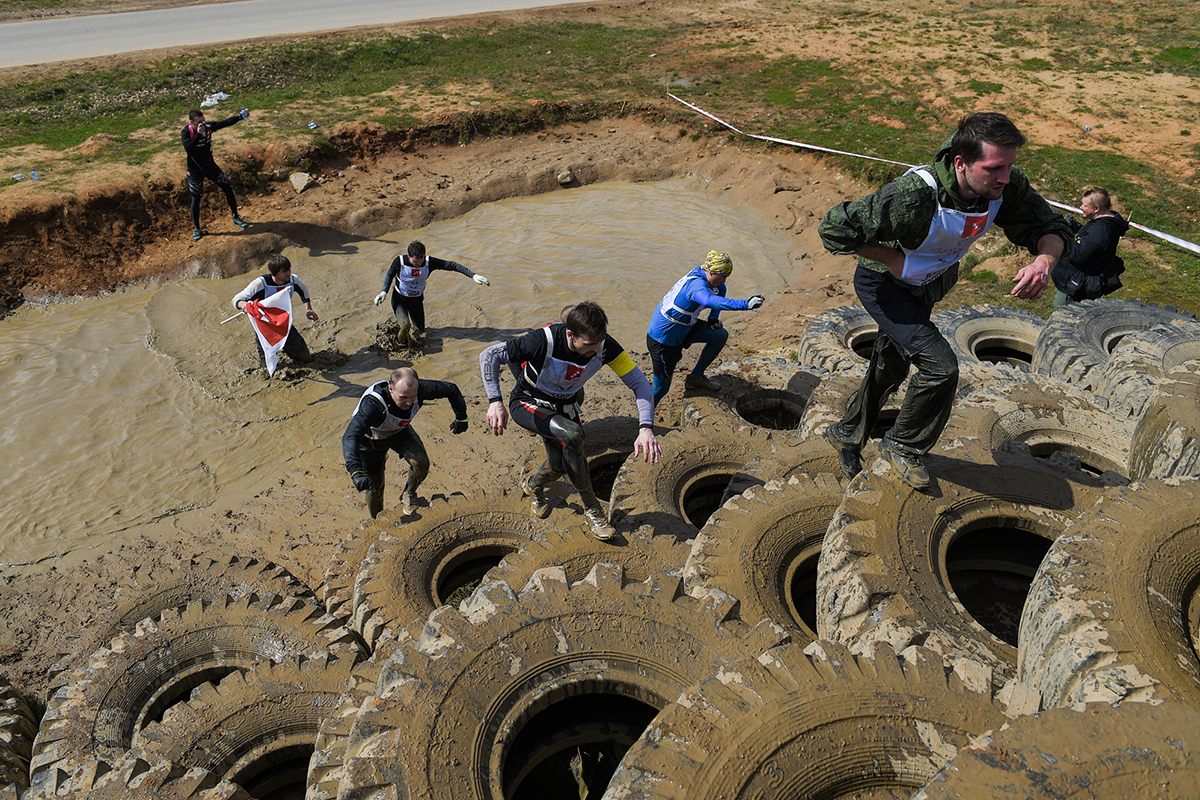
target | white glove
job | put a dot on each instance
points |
(482, 281)
(379, 297)
(754, 302)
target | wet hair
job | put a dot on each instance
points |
(403, 375)
(278, 263)
(588, 319)
(562, 315)
(416, 249)
(195, 112)
(1100, 198)
(983, 126)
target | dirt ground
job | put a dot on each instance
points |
(116, 226)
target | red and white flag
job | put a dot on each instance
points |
(271, 319)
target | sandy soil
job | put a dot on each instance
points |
(118, 225)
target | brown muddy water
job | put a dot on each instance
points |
(131, 407)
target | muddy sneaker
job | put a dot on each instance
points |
(909, 469)
(600, 527)
(701, 382)
(848, 460)
(241, 223)
(410, 503)
(196, 234)
(538, 505)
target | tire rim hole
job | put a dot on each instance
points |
(990, 569)
(772, 408)
(603, 470)
(572, 745)
(703, 497)
(459, 578)
(996, 353)
(279, 775)
(802, 592)
(863, 343)
(179, 689)
(1089, 462)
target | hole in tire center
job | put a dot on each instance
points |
(862, 343)
(573, 744)
(278, 775)
(703, 496)
(179, 688)
(802, 592)
(997, 353)
(457, 579)
(771, 408)
(603, 470)
(1091, 463)
(990, 570)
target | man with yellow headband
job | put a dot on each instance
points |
(676, 323)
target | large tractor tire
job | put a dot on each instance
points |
(1166, 442)
(1103, 752)
(839, 340)
(255, 728)
(1079, 338)
(413, 569)
(765, 397)
(782, 462)
(1141, 361)
(499, 697)
(995, 337)
(679, 494)
(153, 591)
(1113, 614)
(132, 682)
(18, 727)
(762, 547)
(133, 778)
(817, 722)
(947, 567)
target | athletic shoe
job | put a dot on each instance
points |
(600, 527)
(410, 503)
(848, 460)
(241, 223)
(701, 382)
(909, 469)
(538, 505)
(196, 234)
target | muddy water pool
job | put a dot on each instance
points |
(134, 406)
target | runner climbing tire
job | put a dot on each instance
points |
(413, 569)
(992, 337)
(1142, 360)
(677, 495)
(133, 778)
(762, 548)
(153, 591)
(812, 722)
(946, 567)
(18, 727)
(487, 692)
(1166, 442)
(255, 728)
(839, 340)
(141, 673)
(1131, 751)
(1113, 613)
(1079, 338)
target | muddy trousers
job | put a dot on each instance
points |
(196, 190)
(562, 434)
(410, 313)
(295, 347)
(373, 453)
(664, 357)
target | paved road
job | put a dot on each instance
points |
(64, 38)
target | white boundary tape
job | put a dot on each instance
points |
(1185, 244)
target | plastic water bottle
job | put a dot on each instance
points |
(245, 113)
(312, 126)
(33, 174)
(1087, 127)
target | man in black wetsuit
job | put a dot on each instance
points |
(409, 272)
(382, 421)
(196, 137)
(556, 361)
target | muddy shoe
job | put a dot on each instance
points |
(241, 223)
(701, 382)
(909, 469)
(600, 527)
(196, 234)
(848, 460)
(410, 503)
(538, 505)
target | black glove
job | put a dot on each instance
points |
(458, 426)
(363, 482)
